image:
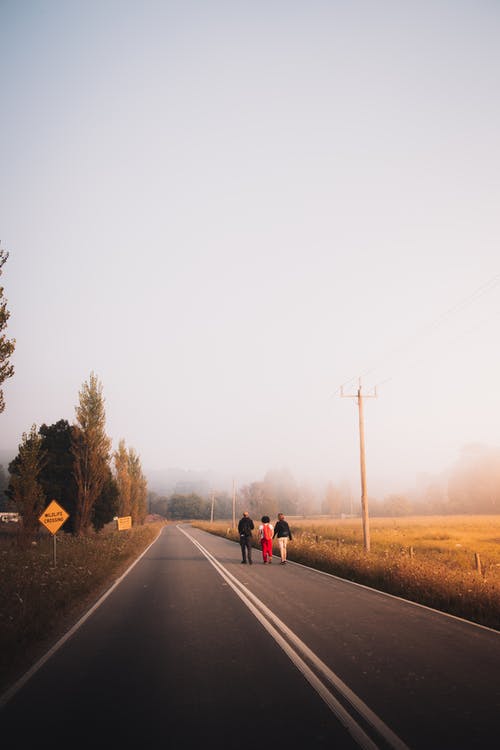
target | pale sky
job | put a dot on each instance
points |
(227, 210)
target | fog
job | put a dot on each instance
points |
(230, 211)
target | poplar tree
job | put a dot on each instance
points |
(138, 488)
(123, 480)
(91, 448)
(25, 488)
(7, 346)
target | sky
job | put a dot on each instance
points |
(228, 210)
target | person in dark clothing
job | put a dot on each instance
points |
(282, 531)
(245, 528)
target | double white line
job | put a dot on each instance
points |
(316, 672)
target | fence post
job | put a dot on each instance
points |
(412, 553)
(478, 562)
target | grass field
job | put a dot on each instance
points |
(450, 563)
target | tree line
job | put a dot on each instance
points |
(471, 486)
(74, 465)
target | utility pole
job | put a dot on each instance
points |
(234, 504)
(364, 494)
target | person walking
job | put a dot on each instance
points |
(266, 539)
(245, 528)
(282, 531)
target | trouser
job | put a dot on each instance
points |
(246, 548)
(267, 549)
(282, 541)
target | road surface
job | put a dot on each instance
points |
(190, 649)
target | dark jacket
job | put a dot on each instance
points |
(282, 529)
(245, 526)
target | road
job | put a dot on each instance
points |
(190, 648)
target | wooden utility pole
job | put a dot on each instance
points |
(212, 508)
(234, 504)
(364, 494)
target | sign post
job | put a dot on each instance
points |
(53, 518)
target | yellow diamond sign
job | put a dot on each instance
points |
(53, 517)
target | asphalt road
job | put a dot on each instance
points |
(190, 649)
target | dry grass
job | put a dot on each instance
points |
(431, 560)
(38, 600)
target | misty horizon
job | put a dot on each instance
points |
(229, 214)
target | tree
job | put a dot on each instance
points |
(307, 500)
(131, 483)
(396, 505)
(4, 484)
(187, 507)
(277, 493)
(91, 451)
(57, 476)
(25, 488)
(252, 498)
(158, 504)
(474, 483)
(123, 480)
(223, 506)
(332, 501)
(281, 492)
(138, 488)
(106, 506)
(7, 346)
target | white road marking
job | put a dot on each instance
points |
(296, 650)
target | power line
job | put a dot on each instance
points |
(426, 329)
(461, 336)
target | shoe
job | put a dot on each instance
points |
(269, 562)
(282, 562)
(243, 562)
(264, 561)
(250, 562)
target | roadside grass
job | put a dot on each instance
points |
(39, 601)
(449, 563)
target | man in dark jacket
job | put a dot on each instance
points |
(245, 528)
(282, 531)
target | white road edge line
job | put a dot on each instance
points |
(264, 615)
(10, 692)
